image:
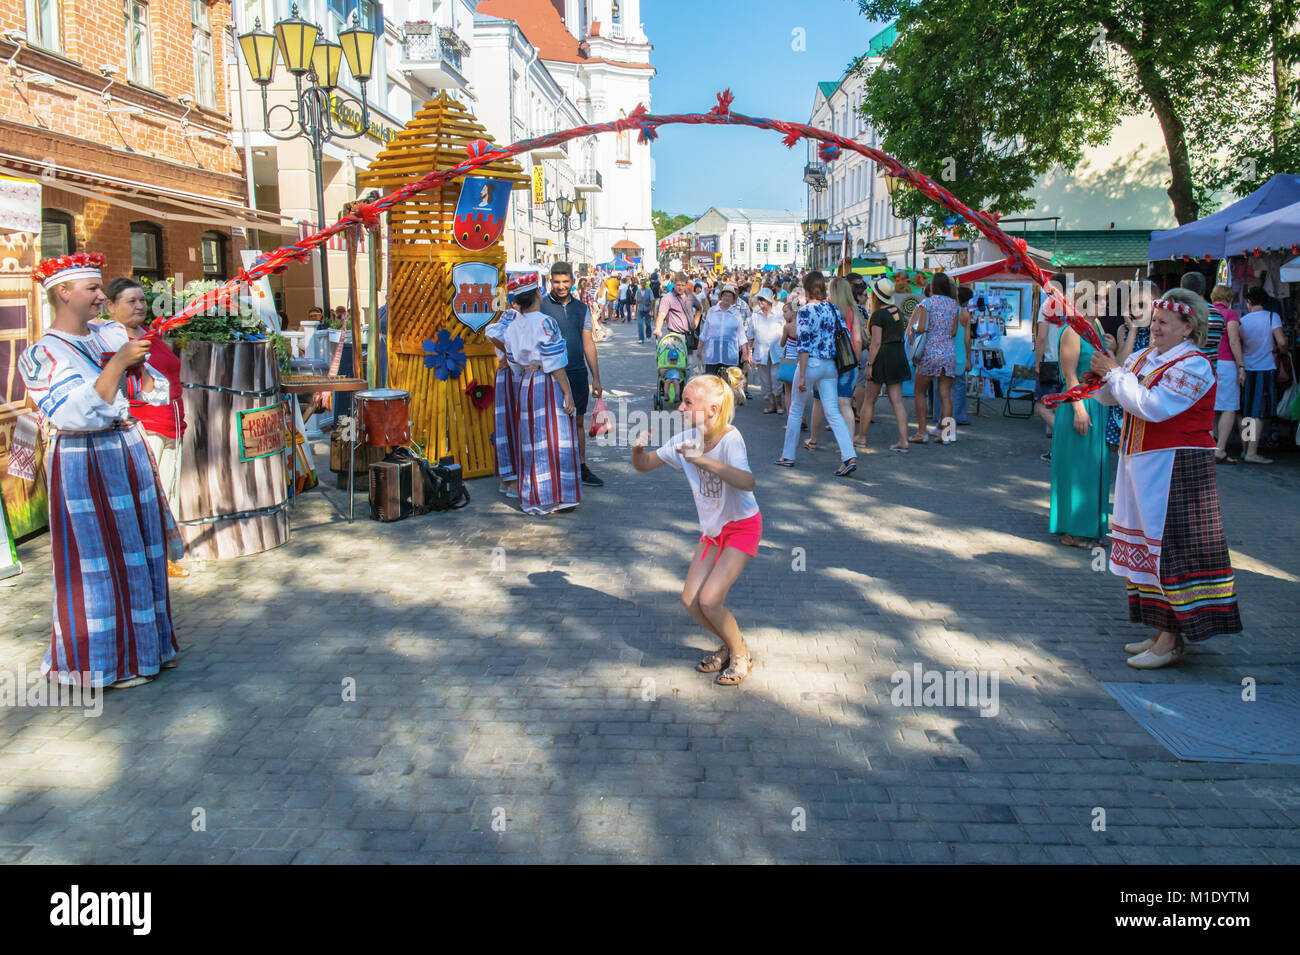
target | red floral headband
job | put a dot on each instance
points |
(522, 283)
(65, 268)
(1179, 307)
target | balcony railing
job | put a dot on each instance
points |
(430, 47)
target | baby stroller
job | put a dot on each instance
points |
(671, 360)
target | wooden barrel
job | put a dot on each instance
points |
(234, 493)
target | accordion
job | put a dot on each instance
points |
(397, 490)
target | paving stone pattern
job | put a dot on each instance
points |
(525, 691)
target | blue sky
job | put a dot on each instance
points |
(705, 46)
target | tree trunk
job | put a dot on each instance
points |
(1156, 91)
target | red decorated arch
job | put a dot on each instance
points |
(481, 153)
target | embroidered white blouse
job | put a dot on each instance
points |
(1137, 524)
(1180, 388)
(60, 371)
(534, 340)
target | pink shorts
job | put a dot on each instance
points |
(743, 535)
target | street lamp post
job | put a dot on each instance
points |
(898, 186)
(558, 213)
(307, 56)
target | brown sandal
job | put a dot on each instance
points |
(736, 674)
(714, 662)
(810, 444)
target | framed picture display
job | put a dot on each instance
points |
(1005, 303)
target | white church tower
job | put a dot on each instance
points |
(614, 77)
(598, 52)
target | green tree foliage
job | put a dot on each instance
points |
(985, 98)
(664, 223)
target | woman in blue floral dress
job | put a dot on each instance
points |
(935, 316)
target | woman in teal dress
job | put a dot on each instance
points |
(1080, 466)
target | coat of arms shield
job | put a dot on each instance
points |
(481, 212)
(475, 293)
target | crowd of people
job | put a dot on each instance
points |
(820, 350)
(827, 346)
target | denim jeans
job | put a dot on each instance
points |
(644, 326)
(822, 377)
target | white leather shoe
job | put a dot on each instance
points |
(1147, 660)
(1140, 647)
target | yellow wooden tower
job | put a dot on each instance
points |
(422, 254)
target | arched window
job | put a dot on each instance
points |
(58, 234)
(214, 256)
(146, 250)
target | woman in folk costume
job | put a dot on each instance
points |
(507, 392)
(1166, 529)
(163, 425)
(111, 532)
(548, 468)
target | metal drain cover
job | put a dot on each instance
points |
(1214, 724)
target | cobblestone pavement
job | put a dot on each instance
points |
(525, 688)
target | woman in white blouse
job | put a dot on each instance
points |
(766, 323)
(722, 335)
(1166, 529)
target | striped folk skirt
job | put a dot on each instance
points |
(111, 533)
(506, 411)
(1200, 597)
(549, 476)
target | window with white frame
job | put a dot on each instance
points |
(205, 81)
(139, 66)
(43, 24)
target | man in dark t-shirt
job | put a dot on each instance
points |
(574, 319)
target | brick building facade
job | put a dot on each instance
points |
(119, 108)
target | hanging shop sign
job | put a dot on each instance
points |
(261, 432)
(475, 293)
(480, 212)
(539, 185)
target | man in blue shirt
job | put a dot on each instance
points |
(574, 319)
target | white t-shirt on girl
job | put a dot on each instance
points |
(716, 501)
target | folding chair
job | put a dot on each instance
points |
(1021, 376)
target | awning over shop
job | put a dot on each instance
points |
(169, 205)
(1089, 248)
(1279, 229)
(1209, 236)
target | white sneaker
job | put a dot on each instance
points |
(1256, 459)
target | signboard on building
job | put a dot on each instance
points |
(706, 243)
(349, 117)
(539, 185)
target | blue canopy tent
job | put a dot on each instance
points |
(619, 263)
(1209, 236)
